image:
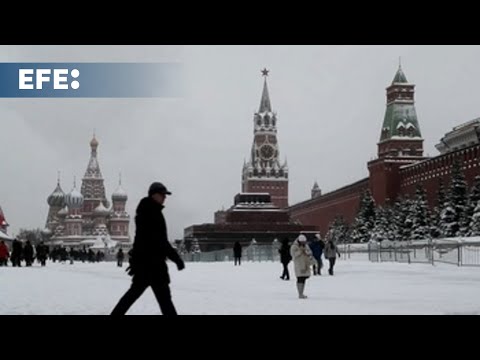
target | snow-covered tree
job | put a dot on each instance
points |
(405, 219)
(441, 194)
(435, 230)
(420, 215)
(448, 225)
(380, 231)
(473, 199)
(391, 224)
(397, 220)
(457, 198)
(475, 224)
(475, 192)
(365, 220)
(338, 230)
(369, 209)
(343, 229)
(435, 217)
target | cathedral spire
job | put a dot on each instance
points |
(94, 142)
(57, 197)
(92, 188)
(93, 169)
(265, 105)
(119, 194)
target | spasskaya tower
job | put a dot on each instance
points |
(264, 173)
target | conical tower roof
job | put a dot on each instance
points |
(265, 104)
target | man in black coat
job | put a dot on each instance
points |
(285, 258)
(151, 249)
(237, 253)
(120, 257)
(17, 253)
(42, 252)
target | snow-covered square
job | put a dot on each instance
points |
(358, 287)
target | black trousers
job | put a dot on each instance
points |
(302, 279)
(16, 261)
(160, 288)
(285, 274)
(317, 269)
(332, 264)
(238, 259)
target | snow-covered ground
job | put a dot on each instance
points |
(358, 287)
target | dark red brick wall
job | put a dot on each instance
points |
(415, 147)
(385, 181)
(257, 216)
(389, 178)
(277, 189)
(322, 211)
(430, 171)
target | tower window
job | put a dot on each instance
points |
(384, 133)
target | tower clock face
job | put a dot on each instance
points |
(267, 152)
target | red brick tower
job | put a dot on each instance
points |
(401, 141)
(264, 173)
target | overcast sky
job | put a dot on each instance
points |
(330, 102)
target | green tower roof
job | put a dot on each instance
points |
(400, 77)
(400, 120)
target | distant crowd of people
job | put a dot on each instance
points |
(306, 256)
(23, 253)
(26, 253)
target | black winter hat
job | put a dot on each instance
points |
(158, 188)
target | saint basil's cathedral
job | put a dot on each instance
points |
(85, 217)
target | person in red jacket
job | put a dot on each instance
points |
(4, 254)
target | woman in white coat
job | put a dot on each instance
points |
(302, 260)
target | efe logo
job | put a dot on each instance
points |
(33, 79)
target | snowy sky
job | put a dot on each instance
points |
(330, 102)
